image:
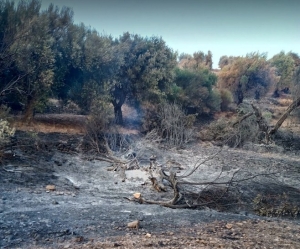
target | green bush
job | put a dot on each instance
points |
(194, 91)
(226, 99)
(214, 101)
(6, 130)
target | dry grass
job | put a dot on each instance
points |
(61, 123)
(285, 101)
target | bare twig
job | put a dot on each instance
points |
(198, 164)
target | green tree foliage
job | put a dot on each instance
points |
(56, 57)
(62, 31)
(72, 66)
(249, 76)
(285, 67)
(12, 30)
(193, 89)
(36, 60)
(97, 65)
(226, 99)
(296, 76)
(30, 43)
(145, 71)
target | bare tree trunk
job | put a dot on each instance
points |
(119, 97)
(118, 114)
(292, 106)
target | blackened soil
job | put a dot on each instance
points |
(88, 201)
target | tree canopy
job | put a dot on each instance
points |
(194, 90)
(44, 54)
(249, 76)
(146, 70)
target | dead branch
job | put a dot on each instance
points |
(176, 196)
(242, 118)
(12, 85)
(157, 185)
(291, 107)
(261, 121)
(179, 191)
(230, 181)
(198, 164)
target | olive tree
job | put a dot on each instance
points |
(194, 90)
(145, 72)
(249, 76)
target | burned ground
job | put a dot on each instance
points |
(88, 208)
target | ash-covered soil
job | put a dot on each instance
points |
(87, 209)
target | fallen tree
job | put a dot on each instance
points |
(193, 194)
(291, 107)
(233, 129)
(265, 128)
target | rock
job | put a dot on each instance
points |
(134, 224)
(229, 226)
(50, 187)
(148, 235)
(137, 195)
(79, 239)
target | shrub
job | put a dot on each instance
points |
(175, 127)
(100, 118)
(72, 108)
(150, 118)
(228, 131)
(6, 130)
(194, 91)
(226, 99)
(214, 101)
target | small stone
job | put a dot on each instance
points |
(50, 187)
(79, 239)
(229, 226)
(54, 202)
(137, 195)
(134, 224)
(148, 235)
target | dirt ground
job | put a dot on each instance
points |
(88, 207)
